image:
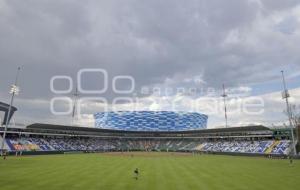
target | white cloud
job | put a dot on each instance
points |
(273, 108)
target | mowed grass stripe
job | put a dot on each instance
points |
(158, 171)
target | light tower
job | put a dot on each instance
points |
(13, 91)
(76, 95)
(224, 95)
(286, 95)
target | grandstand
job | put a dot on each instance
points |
(45, 138)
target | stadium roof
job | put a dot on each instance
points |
(90, 129)
(5, 107)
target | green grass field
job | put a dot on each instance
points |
(158, 171)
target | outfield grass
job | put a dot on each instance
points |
(158, 171)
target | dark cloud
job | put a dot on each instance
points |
(232, 41)
(279, 5)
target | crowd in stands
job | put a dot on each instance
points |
(279, 147)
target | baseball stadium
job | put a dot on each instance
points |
(149, 95)
(172, 150)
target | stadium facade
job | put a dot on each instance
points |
(150, 120)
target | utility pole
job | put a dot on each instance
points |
(286, 95)
(224, 95)
(13, 91)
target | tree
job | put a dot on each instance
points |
(295, 114)
(295, 118)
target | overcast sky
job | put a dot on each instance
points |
(162, 44)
